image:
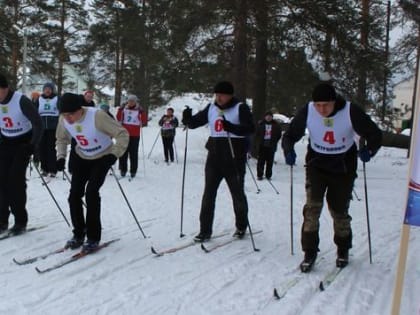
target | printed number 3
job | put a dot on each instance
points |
(8, 123)
(329, 137)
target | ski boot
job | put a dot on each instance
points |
(239, 234)
(202, 237)
(17, 229)
(308, 262)
(342, 258)
(74, 242)
(90, 246)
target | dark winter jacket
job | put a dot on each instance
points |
(218, 147)
(32, 137)
(49, 122)
(334, 163)
(170, 132)
(275, 134)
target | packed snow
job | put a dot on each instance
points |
(126, 278)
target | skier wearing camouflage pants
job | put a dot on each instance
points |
(331, 164)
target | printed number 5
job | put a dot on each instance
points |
(329, 137)
(82, 140)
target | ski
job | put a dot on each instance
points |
(33, 259)
(223, 243)
(159, 253)
(9, 233)
(279, 294)
(329, 278)
(75, 257)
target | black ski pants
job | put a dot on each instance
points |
(338, 190)
(265, 158)
(215, 170)
(88, 177)
(47, 152)
(13, 163)
(168, 148)
(132, 152)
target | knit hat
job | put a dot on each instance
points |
(268, 113)
(132, 98)
(324, 92)
(49, 85)
(224, 87)
(70, 103)
(3, 81)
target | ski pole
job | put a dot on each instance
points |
(355, 194)
(128, 204)
(253, 177)
(367, 213)
(291, 210)
(183, 181)
(274, 187)
(232, 152)
(52, 195)
(157, 136)
(142, 149)
(176, 152)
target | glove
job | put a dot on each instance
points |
(227, 125)
(291, 158)
(364, 154)
(61, 164)
(186, 115)
(109, 160)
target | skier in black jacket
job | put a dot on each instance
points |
(21, 131)
(230, 122)
(331, 164)
(267, 136)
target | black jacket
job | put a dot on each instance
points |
(168, 133)
(334, 163)
(219, 147)
(275, 134)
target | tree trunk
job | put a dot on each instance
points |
(364, 40)
(260, 86)
(240, 49)
(61, 53)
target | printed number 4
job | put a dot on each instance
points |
(329, 137)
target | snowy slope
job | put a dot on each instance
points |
(125, 278)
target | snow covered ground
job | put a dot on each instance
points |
(126, 278)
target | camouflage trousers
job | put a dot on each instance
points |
(337, 189)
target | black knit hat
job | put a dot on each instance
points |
(268, 113)
(3, 81)
(324, 92)
(70, 103)
(49, 85)
(224, 87)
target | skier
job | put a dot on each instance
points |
(331, 165)
(21, 131)
(130, 117)
(47, 105)
(267, 136)
(230, 122)
(168, 123)
(96, 152)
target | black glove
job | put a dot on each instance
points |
(186, 115)
(227, 125)
(291, 158)
(365, 154)
(61, 164)
(109, 160)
